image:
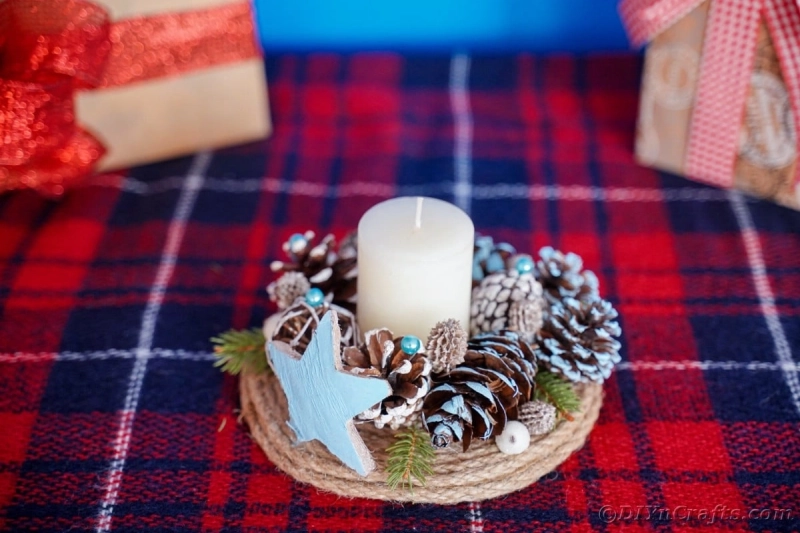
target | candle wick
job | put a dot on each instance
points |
(418, 219)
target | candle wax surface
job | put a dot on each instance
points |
(410, 278)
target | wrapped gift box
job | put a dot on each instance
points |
(96, 86)
(721, 92)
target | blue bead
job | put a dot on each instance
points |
(524, 265)
(296, 240)
(410, 344)
(315, 297)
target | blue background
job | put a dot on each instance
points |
(438, 25)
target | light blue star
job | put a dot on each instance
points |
(322, 398)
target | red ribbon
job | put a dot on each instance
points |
(48, 50)
(725, 70)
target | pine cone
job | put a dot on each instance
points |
(493, 298)
(447, 344)
(348, 248)
(539, 417)
(463, 406)
(577, 340)
(562, 276)
(489, 257)
(475, 399)
(288, 288)
(335, 273)
(409, 376)
(298, 322)
(526, 317)
(507, 353)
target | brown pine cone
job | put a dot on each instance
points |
(539, 417)
(348, 248)
(493, 298)
(297, 323)
(409, 376)
(562, 276)
(506, 353)
(475, 399)
(489, 257)
(288, 288)
(578, 340)
(333, 272)
(446, 346)
(465, 404)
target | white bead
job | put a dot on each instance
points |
(514, 439)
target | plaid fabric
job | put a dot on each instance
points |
(112, 417)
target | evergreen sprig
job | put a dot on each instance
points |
(410, 457)
(559, 393)
(237, 349)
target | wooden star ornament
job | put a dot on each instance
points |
(323, 398)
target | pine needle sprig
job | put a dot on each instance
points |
(410, 457)
(559, 393)
(237, 349)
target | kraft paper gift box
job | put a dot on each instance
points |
(105, 84)
(721, 92)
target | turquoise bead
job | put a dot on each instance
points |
(296, 240)
(315, 297)
(410, 344)
(524, 265)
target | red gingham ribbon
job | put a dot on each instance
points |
(725, 70)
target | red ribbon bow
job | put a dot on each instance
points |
(48, 50)
(725, 70)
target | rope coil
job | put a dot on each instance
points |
(490, 473)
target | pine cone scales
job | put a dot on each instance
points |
(493, 298)
(334, 272)
(288, 288)
(562, 276)
(539, 417)
(446, 346)
(463, 408)
(409, 376)
(506, 353)
(474, 400)
(489, 257)
(578, 340)
(526, 317)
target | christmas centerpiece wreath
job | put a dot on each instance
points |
(477, 411)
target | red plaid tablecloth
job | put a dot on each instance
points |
(112, 417)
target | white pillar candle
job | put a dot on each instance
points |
(414, 266)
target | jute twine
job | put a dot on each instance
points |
(478, 474)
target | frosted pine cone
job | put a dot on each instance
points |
(288, 288)
(493, 298)
(562, 276)
(489, 257)
(578, 340)
(526, 317)
(539, 417)
(447, 344)
(505, 352)
(333, 272)
(409, 376)
(297, 323)
(348, 248)
(463, 406)
(475, 399)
